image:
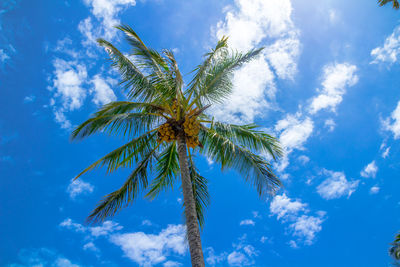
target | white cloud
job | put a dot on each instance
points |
(42, 257)
(370, 170)
(243, 255)
(105, 11)
(171, 264)
(237, 258)
(60, 118)
(68, 81)
(212, 259)
(286, 208)
(79, 187)
(336, 185)
(389, 51)
(77, 227)
(3, 55)
(303, 226)
(147, 223)
(374, 190)
(251, 24)
(392, 123)
(283, 55)
(330, 124)
(103, 94)
(336, 79)
(91, 246)
(385, 153)
(29, 99)
(254, 20)
(105, 229)
(303, 159)
(247, 222)
(294, 131)
(150, 249)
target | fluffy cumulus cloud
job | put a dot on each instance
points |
(294, 131)
(392, 123)
(79, 187)
(251, 24)
(370, 170)
(144, 249)
(285, 207)
(389, 52)
(67, 89)
(150, 249)
(294, 213)
(69, 77)
(336, 79)
(336, 185)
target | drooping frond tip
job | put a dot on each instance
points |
(395, 3)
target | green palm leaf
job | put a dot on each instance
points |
(255, 169)
(167, 169)
(124, 196)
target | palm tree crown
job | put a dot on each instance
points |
(394, 2)
(166, 123)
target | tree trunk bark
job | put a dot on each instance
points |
(192, 225)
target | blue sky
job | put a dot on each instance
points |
(326, 85)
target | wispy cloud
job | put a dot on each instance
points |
(79, 187)
(370, 170)
(336, 79)
(392, 123)
(389, 52)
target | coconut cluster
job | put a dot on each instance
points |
(191, 127)
(166, 133)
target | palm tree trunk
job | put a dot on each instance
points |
(192, 226)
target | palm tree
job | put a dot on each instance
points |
(166, 124)
(394, 251)
(384, 2)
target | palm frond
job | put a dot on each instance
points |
(250, 137)
(148, 59)
(202, 70)
(255, 169)
(124, 196)
(167, 169)
(217, 84)
(116, 159)
(200, 191)
(176, 73)
(125, 123)
(133, 80)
